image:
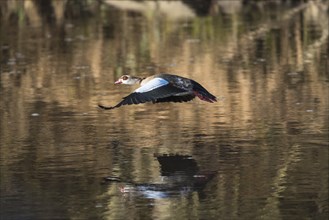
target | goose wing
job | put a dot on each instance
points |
(156, 90)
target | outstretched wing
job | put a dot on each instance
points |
(156, 90)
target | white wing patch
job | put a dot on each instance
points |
(152, 84)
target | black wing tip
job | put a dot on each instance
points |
(105, 107)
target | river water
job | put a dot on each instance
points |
(260, 152)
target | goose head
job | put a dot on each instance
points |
(129, 80)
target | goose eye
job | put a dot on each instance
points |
(125, 77)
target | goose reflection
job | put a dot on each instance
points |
(180, 175)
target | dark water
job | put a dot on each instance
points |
(260, 152)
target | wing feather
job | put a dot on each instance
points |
(152, 85)
(185, 98)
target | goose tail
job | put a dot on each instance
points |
(202, 93)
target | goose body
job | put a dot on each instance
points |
(162, 88)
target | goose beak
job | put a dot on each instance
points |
(118, 82)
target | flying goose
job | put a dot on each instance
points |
(162, 88)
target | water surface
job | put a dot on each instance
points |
(263, 146)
